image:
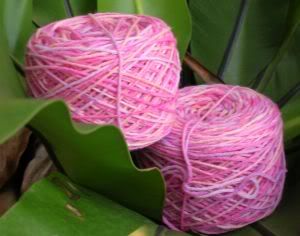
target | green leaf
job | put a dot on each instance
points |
(291, 117)
(283, 72)
(10, 83)
(246, 231)
(45, 12)
(55, 206)
(81, 7)
(96, 157)
(287, 73)
(175, 13)
(236, 41)
(17, 14)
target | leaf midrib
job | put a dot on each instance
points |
(139, 6)
(233, 38)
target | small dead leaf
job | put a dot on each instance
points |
(73, 210)
(144, 230)
(39, 167)
(10, 154)
(69, 189)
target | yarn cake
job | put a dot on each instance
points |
(110, 69)
(223, 161)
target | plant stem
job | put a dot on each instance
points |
(201, 71)
(139, 6)
(68, 8)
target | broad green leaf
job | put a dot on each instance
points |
(175, 13)
(56, 206)
(283, 71)
(236, 41)
(213, 22)
(16, 15)
(287, 72)
(45, 12)
(95, 157)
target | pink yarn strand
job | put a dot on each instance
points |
(185, 144)
(119, 88)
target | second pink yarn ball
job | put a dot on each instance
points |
(110, 69)
(223, 161)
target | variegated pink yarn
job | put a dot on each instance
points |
(223, 161)
(110, 69)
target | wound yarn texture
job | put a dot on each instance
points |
(110, 69)
(223, 161)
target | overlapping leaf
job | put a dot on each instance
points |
(237, 40)
(283, 72)
(56, 206)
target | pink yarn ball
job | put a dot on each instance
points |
(110, 69)
(223, 161)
